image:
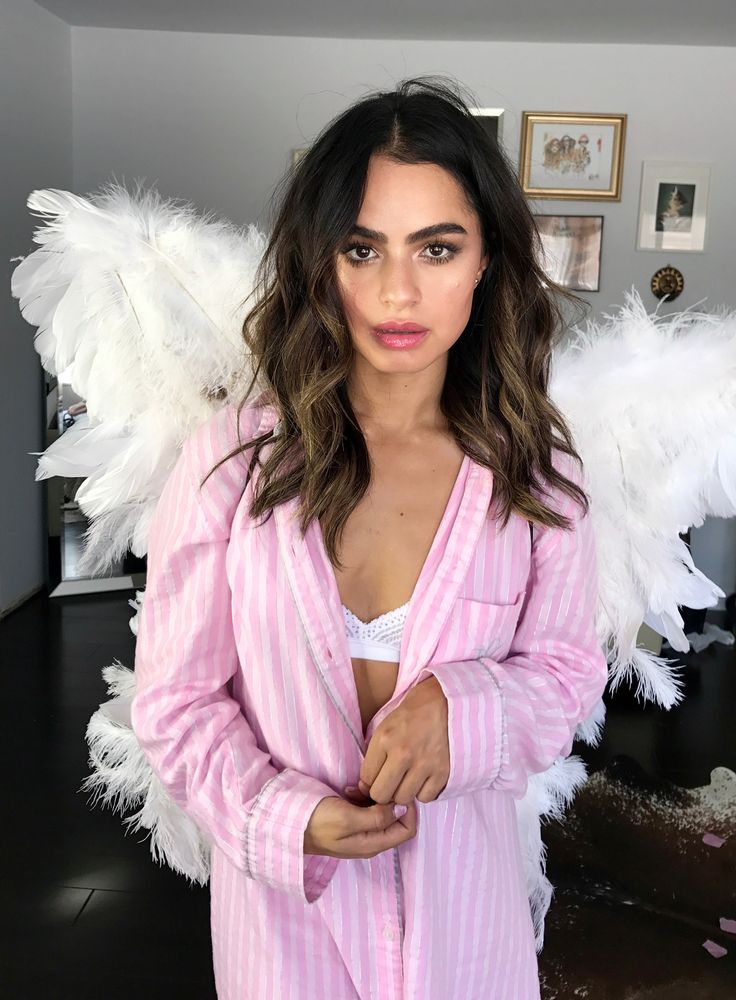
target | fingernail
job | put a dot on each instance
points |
(399, 811)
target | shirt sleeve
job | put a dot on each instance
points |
(512, 718)
(191, 730)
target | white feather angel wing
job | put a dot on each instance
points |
(651, 401)
(144, 300)
(141, 302)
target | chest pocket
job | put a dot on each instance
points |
(479, 628)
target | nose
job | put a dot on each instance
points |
(399, 287)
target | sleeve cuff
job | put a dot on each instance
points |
(274, 836)
(475, 724)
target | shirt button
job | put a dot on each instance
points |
(388, 933)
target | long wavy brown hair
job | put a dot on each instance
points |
(494, 397)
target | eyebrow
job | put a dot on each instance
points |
(421, 234)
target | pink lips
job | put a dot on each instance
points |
(400, 328)
(392, 337)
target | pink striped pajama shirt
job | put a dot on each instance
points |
(247, 710)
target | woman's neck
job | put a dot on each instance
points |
(396, 405)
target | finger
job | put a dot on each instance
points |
(405, 826)
(375, 758)
(372, 820)
(381, 832)
(411, 786)
(356, 797)
(391, 775)
(430, 789)
(409, 819)
(368, 833)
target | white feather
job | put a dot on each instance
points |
(547, 796)
(143, 301)
(651, 401)
(122, 778)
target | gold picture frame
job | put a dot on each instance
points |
(572, 156)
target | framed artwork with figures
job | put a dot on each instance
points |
(673, 206)
(574, 156)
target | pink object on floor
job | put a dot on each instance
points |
(713, 840)
(716, 950)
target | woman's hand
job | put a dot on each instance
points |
(342, 829)
(408, 756)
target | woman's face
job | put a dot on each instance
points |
(395, 274)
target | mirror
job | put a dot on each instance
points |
(66, 413)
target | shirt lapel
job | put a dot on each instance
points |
(441, 577)
(314, 588)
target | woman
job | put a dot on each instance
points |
(346, 611)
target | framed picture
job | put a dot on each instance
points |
(673, 206)
(492, 121)
(571, 245)
(576, 156)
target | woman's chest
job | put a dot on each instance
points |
(384, 545)
(387, 536)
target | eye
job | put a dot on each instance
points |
(355, 246)
(451, 248)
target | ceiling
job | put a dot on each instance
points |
(665, 22)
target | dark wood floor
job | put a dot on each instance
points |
(87, 914)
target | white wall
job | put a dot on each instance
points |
(213, 118)
(35, 126)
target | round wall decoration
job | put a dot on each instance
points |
(667, 281)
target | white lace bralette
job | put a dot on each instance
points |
(378, 639)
